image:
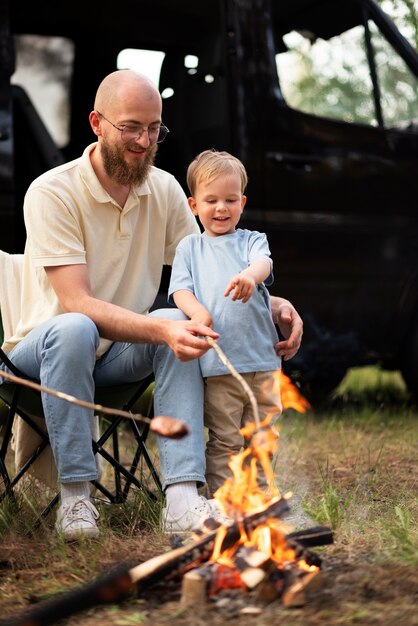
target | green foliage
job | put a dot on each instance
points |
(404, 14)
(329, 507)
(332, 78)
(401, 537)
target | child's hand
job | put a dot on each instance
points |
(242, 285)
(202, 316)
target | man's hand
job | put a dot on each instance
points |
(186, 339)
(290, 324)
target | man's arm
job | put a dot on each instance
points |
(72, 287)
(290, 325)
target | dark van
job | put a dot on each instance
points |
(317, 97)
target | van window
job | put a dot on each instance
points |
(328, 78)
(146, 62)
(44, 67)
(398, 85)
(332, 78)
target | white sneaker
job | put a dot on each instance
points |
(191, 519)
(76, 519)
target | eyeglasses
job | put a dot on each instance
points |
(132, 132)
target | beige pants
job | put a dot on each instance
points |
(227, 409)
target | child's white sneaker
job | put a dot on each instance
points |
(191, 519)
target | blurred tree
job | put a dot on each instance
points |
(332, 78)
(404, 13)
(44, 70)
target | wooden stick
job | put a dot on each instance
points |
(161, 425)
(222, 356)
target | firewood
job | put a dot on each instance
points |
(271, 588)
(193, 589)
(247, 556)
(315, 536)
(252, 576)
(296, 593)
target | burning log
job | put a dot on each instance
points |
(295, 594)
(252, 576)
(221, 577)
(252, 565)
(250, 557)
(315, 536)
(194, 588)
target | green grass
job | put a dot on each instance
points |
(356, 464)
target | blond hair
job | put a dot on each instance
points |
(210, 164)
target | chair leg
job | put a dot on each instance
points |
(10, 484)
(115, 442)
(47, 510)
(120, 468)
(7, 435)
(111, 431)
(120, 494)
(142, 451)
(8, 489)
(23, 470)
(6, 480)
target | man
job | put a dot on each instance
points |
(99, 230)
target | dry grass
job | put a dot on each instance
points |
(354, 466)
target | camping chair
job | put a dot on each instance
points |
(24, 421)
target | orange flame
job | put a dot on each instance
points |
(291, 396)
(251, 488)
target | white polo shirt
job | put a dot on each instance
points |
(71, 219)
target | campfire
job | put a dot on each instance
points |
(256, 561)
(257, 557)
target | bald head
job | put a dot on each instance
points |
(126, 104)
(124, 86)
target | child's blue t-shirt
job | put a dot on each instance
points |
(204, 265)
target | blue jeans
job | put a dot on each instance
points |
(61, 354)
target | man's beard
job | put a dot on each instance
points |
(124, 173)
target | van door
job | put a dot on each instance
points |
(339, 141)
